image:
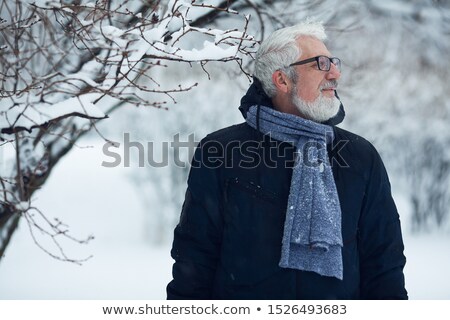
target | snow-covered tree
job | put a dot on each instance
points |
(66, 64)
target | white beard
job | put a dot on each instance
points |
(319, 110)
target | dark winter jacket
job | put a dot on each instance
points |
(227, 244)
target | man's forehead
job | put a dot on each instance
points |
(312, 47)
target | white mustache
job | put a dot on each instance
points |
(329, 85)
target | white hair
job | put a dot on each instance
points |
(280, 49)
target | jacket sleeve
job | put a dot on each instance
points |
(197, 237)
(380, 239)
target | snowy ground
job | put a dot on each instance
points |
(102, 201)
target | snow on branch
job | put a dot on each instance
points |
(28, 116)
(57, 51)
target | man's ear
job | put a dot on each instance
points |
(281, 81)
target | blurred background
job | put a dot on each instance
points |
(395, 90)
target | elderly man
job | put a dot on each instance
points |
(287, 205)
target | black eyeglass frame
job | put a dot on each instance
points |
(332, 60)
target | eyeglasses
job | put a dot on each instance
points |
(323, 62)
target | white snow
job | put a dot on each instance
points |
(92, 200)
(29, 115)
(23, 205)
(321, 167)
(208, 51)
(111, 32)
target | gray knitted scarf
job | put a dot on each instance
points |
(312, 239)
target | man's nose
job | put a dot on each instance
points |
(333, 73)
